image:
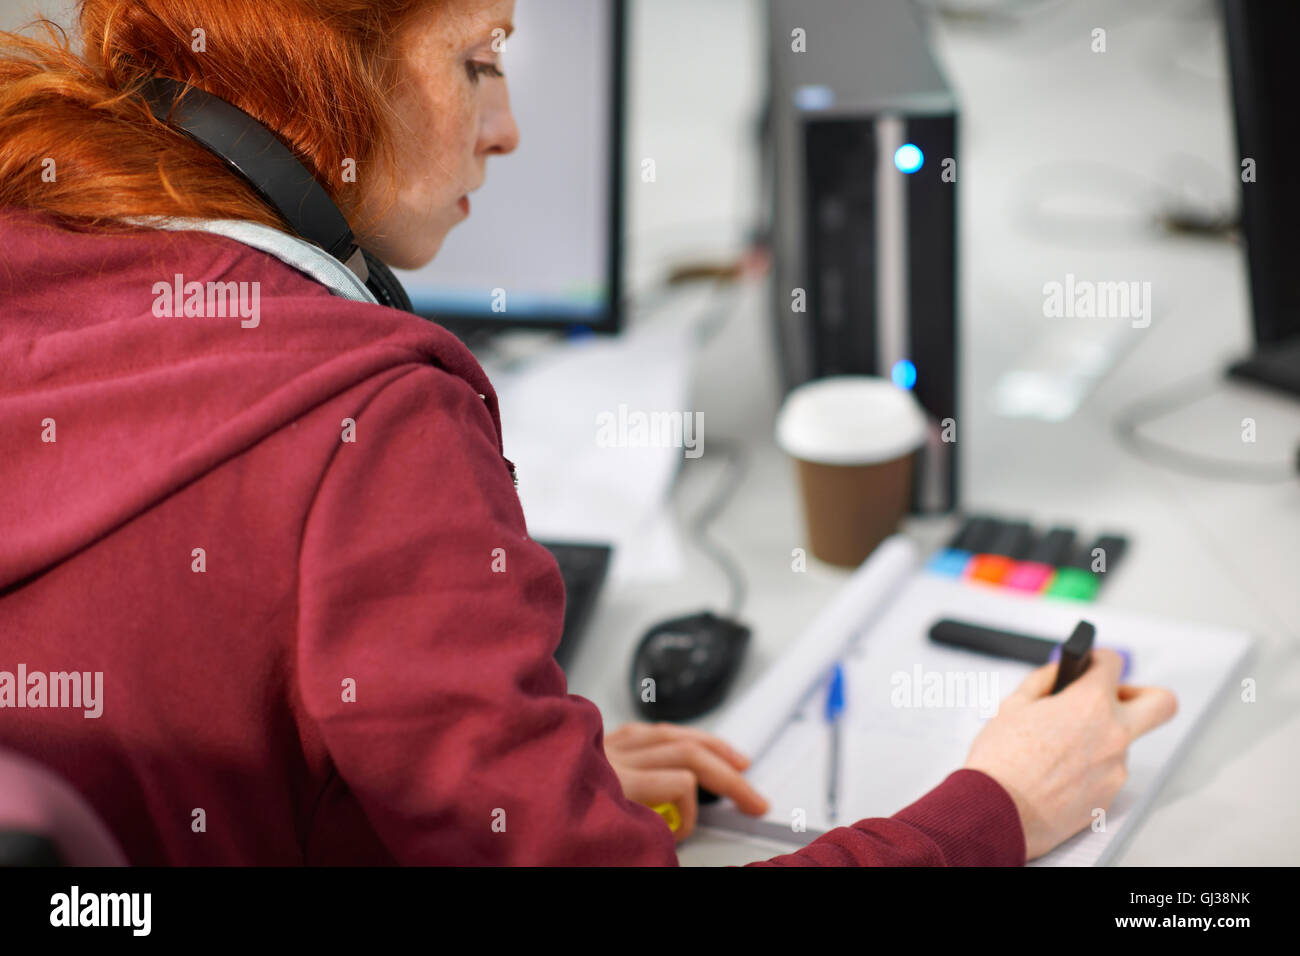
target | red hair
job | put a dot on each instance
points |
(319, 73)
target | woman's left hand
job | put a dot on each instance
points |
(664, 763)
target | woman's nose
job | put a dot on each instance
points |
(499, 134)
(505, 134)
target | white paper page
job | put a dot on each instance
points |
(573, 488)
(894, 754)
(755, 719)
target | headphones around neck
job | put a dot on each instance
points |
(257, 155)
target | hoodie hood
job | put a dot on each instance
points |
(132, 364)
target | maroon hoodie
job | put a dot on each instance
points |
(251, 597)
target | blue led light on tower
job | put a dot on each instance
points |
(909, 158)
(904, 374)
(813, 98)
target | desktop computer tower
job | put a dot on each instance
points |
(863, 176)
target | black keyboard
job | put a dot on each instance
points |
(583, 567)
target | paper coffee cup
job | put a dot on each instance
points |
(853, 439)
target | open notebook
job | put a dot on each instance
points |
(878, 628)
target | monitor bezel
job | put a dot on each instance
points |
(1266, 227)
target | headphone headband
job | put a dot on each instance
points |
(251, 150)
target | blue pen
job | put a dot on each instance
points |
(834, 710)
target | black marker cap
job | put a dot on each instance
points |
(1112, 546)
(1054, 548)
(976, 534)
(1013, 540)
(1076, 655)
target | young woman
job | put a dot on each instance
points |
(250, 563)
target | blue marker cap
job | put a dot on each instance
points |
(835, 696)
(1125, 655)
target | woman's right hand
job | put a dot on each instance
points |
(1062, 756)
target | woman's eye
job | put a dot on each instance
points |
(477, 70)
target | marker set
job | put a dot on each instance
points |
(1012, 555)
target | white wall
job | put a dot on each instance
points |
(15, 13)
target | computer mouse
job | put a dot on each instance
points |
(691, 661)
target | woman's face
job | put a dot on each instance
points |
(452, 115)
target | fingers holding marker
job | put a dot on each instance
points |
(1036, 685)
(1143, 709)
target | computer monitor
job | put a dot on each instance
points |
(1266, 94)
(542, 248)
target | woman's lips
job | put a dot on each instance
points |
(464, 205)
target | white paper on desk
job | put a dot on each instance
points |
(755, 720)
(570, 487)
(894, 755)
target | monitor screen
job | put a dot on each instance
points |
(540, 247)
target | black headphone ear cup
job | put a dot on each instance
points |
(386, 286)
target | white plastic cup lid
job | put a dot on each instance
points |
(850, 420)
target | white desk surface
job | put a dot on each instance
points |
(1035, 101)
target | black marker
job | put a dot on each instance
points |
(992, 641)
(1076, 655)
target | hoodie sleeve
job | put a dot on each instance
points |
(427, 624)
(968, 820)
